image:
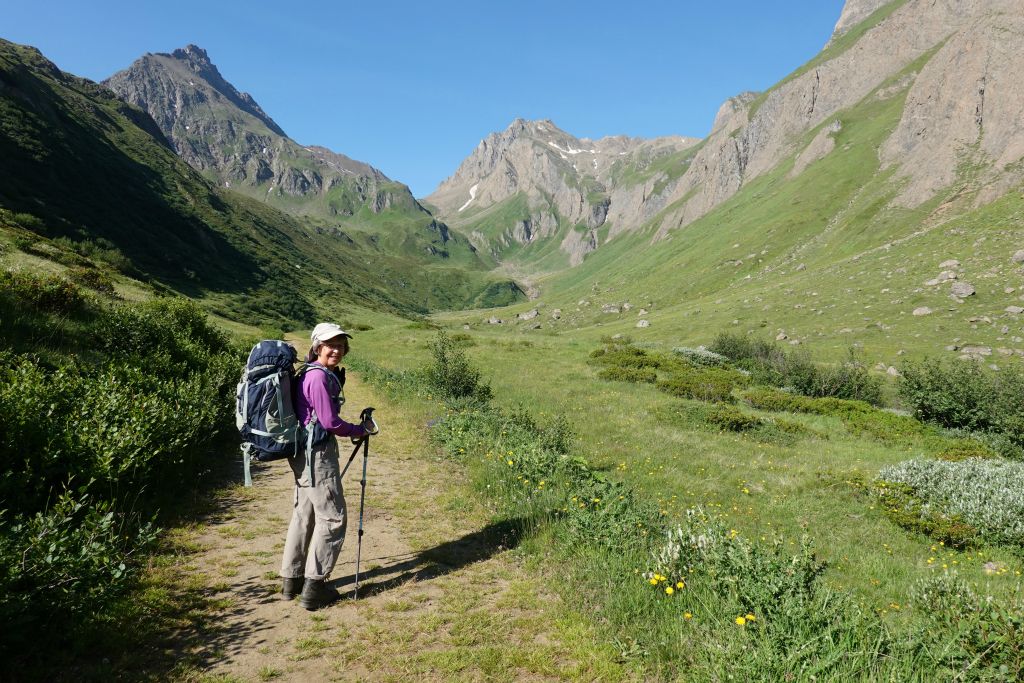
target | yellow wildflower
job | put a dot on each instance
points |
(740, 621)
(687, 615)
(669, 590)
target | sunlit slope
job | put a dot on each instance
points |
(79, 164)
(822, 257)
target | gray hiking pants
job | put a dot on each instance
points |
(317, 529)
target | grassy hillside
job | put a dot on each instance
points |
(80, 165)
(821, 257)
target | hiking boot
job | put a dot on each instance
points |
(316, 594)
(292, 586)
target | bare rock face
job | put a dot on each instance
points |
(569, 184)
(965, 105)
(225, 133)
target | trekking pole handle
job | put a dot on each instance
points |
(367, 416)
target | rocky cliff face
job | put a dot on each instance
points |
(571, 185)
(225, 134)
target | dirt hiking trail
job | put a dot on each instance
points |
(443, 595)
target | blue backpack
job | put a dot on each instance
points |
(265, 406)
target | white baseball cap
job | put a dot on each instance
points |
(325, 331)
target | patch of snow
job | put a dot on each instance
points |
(570, 150)
(542, 129)
(472, 196)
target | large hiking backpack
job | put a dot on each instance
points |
(265, 411)
(265, 407)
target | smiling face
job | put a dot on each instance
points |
(332, 351)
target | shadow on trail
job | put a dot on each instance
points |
(442, 559)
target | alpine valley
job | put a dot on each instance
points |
(833, 205)
(739, 407)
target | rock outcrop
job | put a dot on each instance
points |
(226, 135)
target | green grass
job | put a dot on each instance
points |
(793, 489)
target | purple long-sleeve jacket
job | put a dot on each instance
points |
(320, 393)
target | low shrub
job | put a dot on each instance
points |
(65, 564)
(964, 449)
(962, 394)
(701, 356)
(883, 426)
(451, 373)
(723, 417)
(627, 357)
(906, 510)
(618, 373)
(985, 494)
(108, 422)
(772, 365)
(708, 384)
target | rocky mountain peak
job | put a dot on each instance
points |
(226, 135)
(854, 12)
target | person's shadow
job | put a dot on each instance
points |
(439, 560)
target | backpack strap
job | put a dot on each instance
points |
(313, 420)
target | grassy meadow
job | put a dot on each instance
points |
(813, 481)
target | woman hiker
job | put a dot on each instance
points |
(317, 529)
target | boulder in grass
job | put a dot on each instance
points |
(1014, 310)
(962, 289)
(643, 323)
(951, 263)
(923, 310)
(1018, 257)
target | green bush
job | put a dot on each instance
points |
(451, 374)
(112, 420)
(905, 509)
(617, 373)
(708, 384)
(772, 365)
(964, 449)
(962, 394)
(92, 279)
(65, 564)
(627, 357)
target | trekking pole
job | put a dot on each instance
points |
(366, 415)
(359, 444)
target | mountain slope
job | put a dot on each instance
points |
(892, 224)
(533, 187)
(225, 135)
(78, 163)
(955, 63)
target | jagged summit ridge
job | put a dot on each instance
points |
(226, 134)
(566, 182)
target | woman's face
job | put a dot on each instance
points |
(331, 352)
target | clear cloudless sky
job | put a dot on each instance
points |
(412, 87)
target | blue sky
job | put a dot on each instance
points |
(412, 87)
